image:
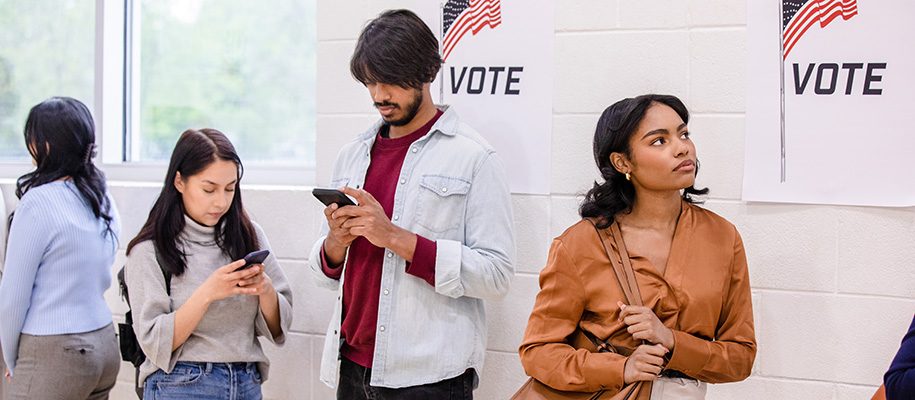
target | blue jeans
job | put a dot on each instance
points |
(354, 385)
(205, 381)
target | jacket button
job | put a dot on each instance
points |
(402, 181)
(386, 292)
(382, 328)
(390, 254)
(415, 149)
(396, 218)
(444, 189)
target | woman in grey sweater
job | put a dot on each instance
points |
(199, 327)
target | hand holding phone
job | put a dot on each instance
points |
(331, 196)
(254, 257)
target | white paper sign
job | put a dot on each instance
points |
(498, 75)
(848, 77)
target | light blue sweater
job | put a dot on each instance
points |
(58, 267)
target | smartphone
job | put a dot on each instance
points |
(330, 196)
(254, 257)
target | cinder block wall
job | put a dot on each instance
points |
(833, 287)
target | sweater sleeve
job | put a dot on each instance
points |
(283, 294)
(29, 237)
(545, 353)
(728, 358)
(900, 379)
(153, 316)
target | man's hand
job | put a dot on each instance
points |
(369, 221)
(338, 238)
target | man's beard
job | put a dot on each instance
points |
(411, 110)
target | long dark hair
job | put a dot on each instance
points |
(234, 233)
(60, 136)
(397, 48)
(614, 129)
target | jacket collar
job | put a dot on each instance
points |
(447, 125)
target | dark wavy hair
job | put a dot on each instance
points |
(615, 128)
(60, 136)
(234, 233)
(396, 48)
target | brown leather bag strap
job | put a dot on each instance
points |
(622, 267)
(627, 264)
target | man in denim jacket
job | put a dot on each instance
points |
(430, 239)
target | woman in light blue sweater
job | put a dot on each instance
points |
(55, 327)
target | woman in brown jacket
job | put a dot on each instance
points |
(696, 325)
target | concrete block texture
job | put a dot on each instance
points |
(756, 388)
(532, 234)
(594, 70)
(717, 70)
(337, 91)
(288, 217)
(658, 14)
(875, 251)
(586, 15)
(828, 338)
(719, 142)
(507, 319)
(573, 168)
(717, 12)
(334, 131)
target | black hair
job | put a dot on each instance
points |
(234, 233)
(396, 48)
(615, 128)
(60, 136)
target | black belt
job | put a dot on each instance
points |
(672, 373)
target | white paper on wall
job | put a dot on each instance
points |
(498, 74)
(848, 79)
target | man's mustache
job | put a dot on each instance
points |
(386, 104)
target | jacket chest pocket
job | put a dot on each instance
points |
(441, 202)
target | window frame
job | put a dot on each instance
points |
(117, 104)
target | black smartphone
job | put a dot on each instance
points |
(330, 196)
(254, 257)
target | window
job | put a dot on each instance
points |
(47, 48)
(150, 69)
(243, 67)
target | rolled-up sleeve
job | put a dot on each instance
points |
(153, 318)
(728, 358)
(545, 352)
(483, 265)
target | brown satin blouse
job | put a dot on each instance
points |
(704, 297)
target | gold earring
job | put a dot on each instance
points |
(628, 177)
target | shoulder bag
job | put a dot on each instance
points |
(534, 390)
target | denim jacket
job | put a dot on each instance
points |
(453, 189)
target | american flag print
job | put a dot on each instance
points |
(799, 15)
(462, 16)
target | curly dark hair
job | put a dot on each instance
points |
(615, 127)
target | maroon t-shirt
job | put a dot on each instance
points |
(364, 262)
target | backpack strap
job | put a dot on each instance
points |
(168, 275)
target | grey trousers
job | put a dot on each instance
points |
(73, 366)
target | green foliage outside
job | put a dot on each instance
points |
(245, 68)
(234, 65)
(47, 48)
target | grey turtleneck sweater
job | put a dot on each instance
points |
(228, 330)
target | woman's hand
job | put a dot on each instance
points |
(645, 325)
(224, 282)
(259, 284)
(644, 364)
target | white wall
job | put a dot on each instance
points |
(833, 287)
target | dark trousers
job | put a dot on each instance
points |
(354, 385)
